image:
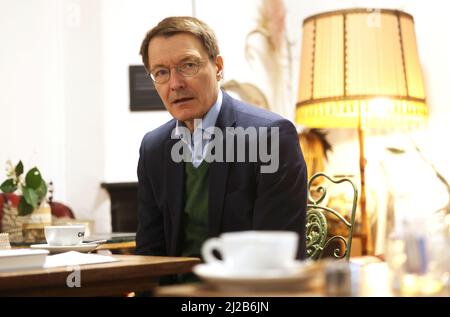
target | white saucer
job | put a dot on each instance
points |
(84, 247)
(297, 276)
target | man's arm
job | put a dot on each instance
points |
(282, 195)
(150, 232)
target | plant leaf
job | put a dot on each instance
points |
(8, 186)
(30, 196)
(24, 207)
(19, 169)
(41, 191)
(33, 178)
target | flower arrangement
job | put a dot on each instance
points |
(31, 187)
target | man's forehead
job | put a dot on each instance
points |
(175, 43)
(174, 61)
(171, 50)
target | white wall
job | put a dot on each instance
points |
(52, 98)
(84, 150)
(64, 96)
(123, 28)
(31, 97)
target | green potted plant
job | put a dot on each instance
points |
(24, 202)
(32, 188)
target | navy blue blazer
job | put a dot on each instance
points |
(240, 196)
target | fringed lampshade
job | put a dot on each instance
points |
(360, 68)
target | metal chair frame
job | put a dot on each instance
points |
(317, 239)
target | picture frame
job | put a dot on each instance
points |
(143, 94)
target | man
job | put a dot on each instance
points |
(182, 203)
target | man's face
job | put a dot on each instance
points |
(186, 98)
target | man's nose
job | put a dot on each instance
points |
(176, 81)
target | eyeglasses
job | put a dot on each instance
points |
(161, 75)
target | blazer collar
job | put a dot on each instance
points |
(218, 171)
(174, 193)
(227, 116)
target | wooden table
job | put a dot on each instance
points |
(204, 290)
(126, 247)
(130, 273)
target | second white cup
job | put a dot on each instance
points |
(64, 235)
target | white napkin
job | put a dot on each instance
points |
(76, 258)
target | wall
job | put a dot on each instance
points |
(64, 96)
(124, 26)
(84, 150)
(31, 98)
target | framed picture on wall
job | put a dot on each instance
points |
(143, 95)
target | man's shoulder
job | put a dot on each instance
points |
(158, 136)
(250, 115)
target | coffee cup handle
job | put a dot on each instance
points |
(207, 250)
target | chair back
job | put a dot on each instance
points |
(320, 240)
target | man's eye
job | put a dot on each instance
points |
(160, 73)
(188, 65)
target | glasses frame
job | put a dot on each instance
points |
(177, 68)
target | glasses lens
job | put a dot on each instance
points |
(160, 75)
(188, 68)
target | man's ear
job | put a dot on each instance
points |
(219, 67)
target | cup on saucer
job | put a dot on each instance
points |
(68, 235)
(252, 252)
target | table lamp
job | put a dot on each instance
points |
(360, 69)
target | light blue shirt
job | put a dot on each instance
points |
(201, 138)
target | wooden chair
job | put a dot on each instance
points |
(320, 241)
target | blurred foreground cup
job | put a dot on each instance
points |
(252, 251)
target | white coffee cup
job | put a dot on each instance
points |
(251, 251)
(64, 235)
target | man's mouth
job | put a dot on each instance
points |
(181, 100)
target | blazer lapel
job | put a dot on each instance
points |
(218, 171)
(174, 189)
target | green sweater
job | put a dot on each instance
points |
(195, 209)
